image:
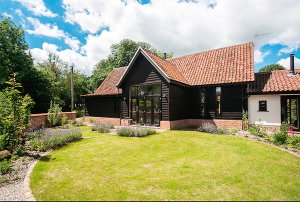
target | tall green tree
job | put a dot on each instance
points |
(14, 55)
(120, 55)
(271, 67)
(59, 76)
(15, 58)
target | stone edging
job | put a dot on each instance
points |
(28, 196)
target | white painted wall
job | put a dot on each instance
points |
(272, 117)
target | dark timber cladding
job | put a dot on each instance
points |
(143, 72)
(185, 102)
(103, 106)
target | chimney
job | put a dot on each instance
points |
(165, 55)
(292, 64)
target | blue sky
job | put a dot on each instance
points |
(81, 33)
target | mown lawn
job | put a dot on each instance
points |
(174, 165)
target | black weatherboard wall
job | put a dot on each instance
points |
(143, 72)
(103, 106)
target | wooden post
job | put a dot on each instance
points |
(72, 88)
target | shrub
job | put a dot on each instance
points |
(20, 151)
(35, 144)
(54, 114)
(64, 120)
(208, 127)
(102, 127)
(5, 166)
(234, 130)
(257, 130)
(280, 138)
(80, 122)
(92, 120)
(135, 132)
(53, 139)
(294, 141)
(14, 115)
(222, 131)
(79, 112)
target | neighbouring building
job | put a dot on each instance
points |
(208, 87)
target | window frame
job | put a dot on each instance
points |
(260, 109)
(218, 110)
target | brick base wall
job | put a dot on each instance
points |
(40, 120)
(195, 123)
(114, 121)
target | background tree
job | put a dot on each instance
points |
(59, 76)
(15, 58)
(271, 67)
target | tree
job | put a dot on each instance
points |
(59, 76)
(120, 55)
(271, 67)
(15, 58)
(14, 114)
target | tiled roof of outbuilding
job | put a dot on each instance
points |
(275, 81)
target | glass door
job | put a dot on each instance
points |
(291, 111)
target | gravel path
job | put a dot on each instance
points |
(19, 190)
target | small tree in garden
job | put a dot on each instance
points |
(54, 114)
(14, 114)
(245, 120)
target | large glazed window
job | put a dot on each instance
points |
(146, 104)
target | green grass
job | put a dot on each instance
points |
(174, 165)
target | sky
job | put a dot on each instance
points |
(81, 32)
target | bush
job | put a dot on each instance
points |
(20, 151)
(64, 120)
(54, 114)
(224, 131)
(208, 127)
(294, 142)
(5, 166)
(233, 131)
(53, 139)
(14, 115)
(79, 113)
(257, 130)
(80, 122)
(102, 127)
(280, 138)
(135, 132)
(35, 144)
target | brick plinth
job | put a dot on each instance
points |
(114, 121)
(195, 123)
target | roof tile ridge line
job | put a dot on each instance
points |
(145, 50)
(252, 43)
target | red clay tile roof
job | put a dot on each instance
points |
(108, 86)
(168, 68)
(234, 64)
(275, 81)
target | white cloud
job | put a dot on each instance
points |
(44, 29)
(19, 12)
(37, 7)
(52, 31)
(286, 62)
(185, 27)
(180, 28)
(7, 15)
(259, 56)
(70, 56)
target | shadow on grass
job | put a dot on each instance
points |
(46, 158)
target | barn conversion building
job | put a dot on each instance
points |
(213, 86)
